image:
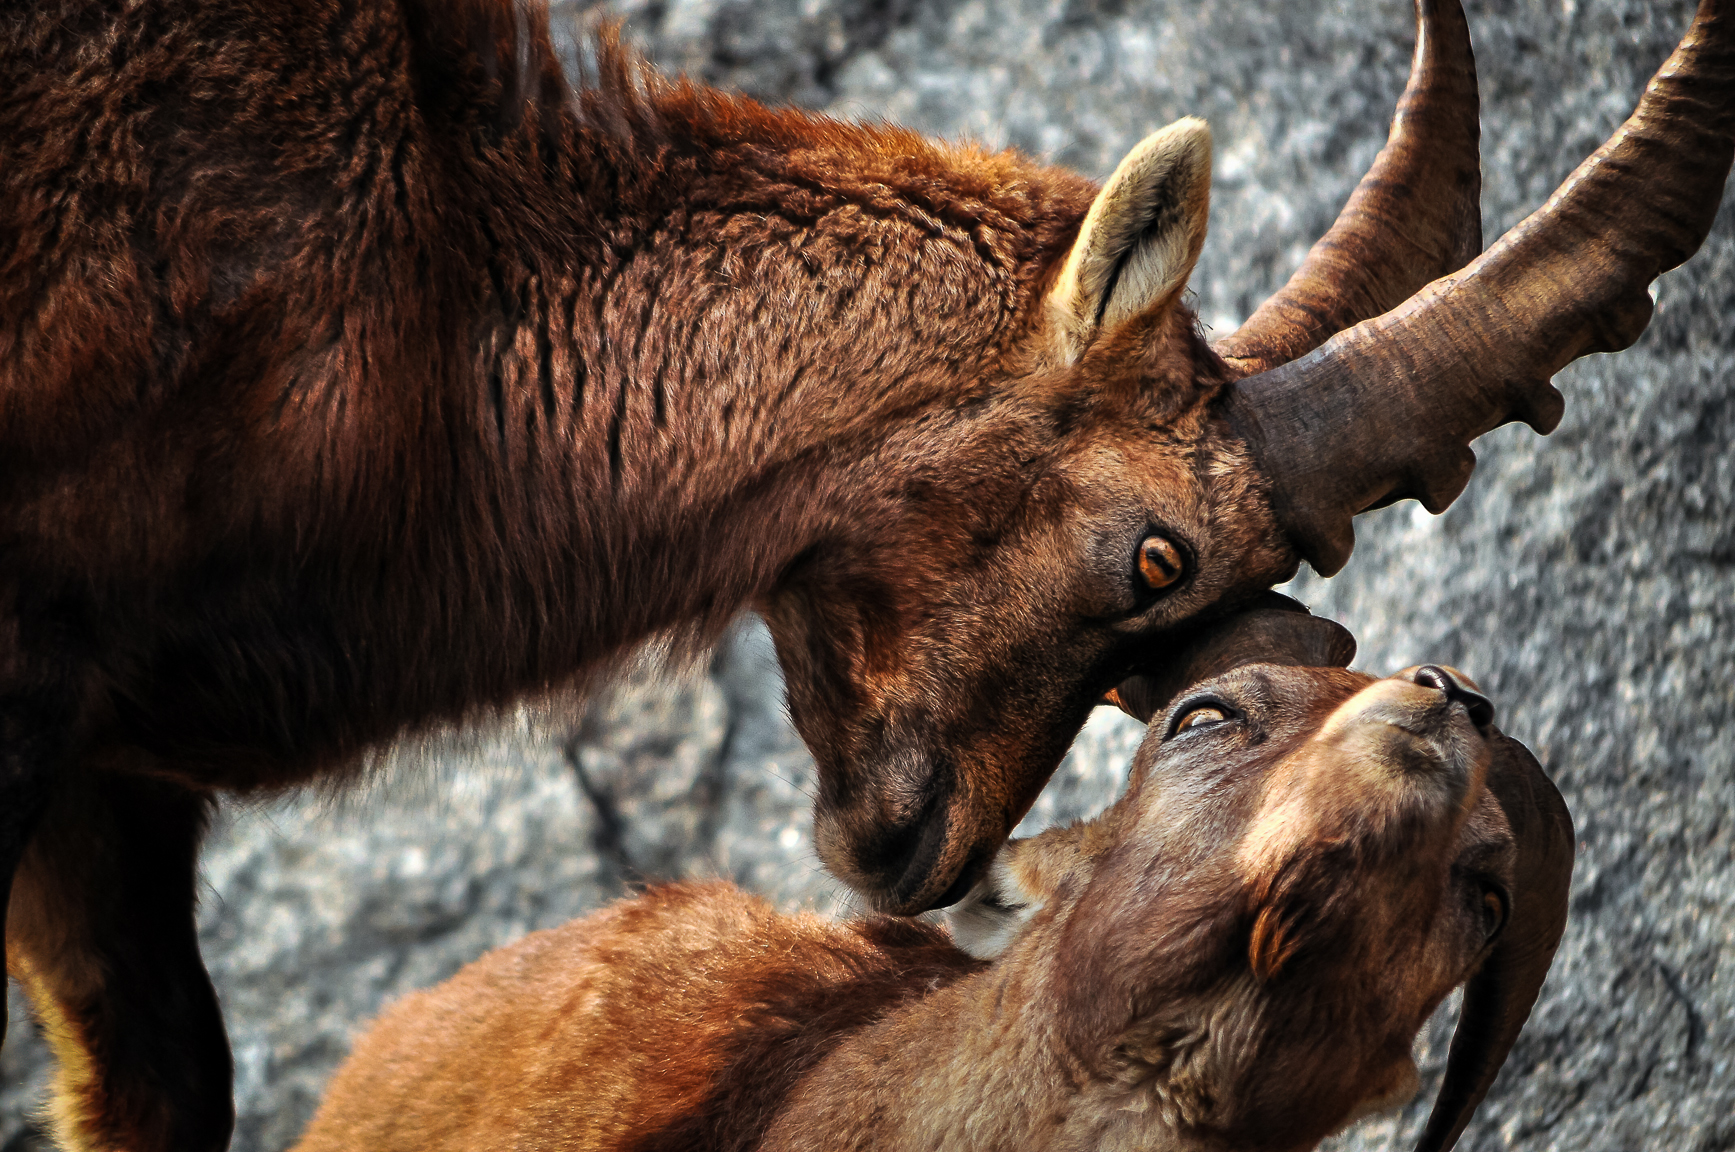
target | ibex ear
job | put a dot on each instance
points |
(1141, 238)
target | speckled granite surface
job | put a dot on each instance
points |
(1587, 579)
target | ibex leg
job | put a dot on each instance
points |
(102, 936)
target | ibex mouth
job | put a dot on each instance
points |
(975, 865)
(920, 846)
(906, 865)
(935, 858)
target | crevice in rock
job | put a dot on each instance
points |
(609, 839)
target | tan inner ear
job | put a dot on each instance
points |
(1141, 238)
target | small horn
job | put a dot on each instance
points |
(1272, 629)
(1387, 409)
(1498, 999)
(1415, 216)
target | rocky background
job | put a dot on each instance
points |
(1587, 579)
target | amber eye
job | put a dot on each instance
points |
(1200, 717)
(1160, 562)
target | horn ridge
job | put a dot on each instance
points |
(1415, 216)
(1387, 409)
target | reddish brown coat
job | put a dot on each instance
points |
(678, 1020)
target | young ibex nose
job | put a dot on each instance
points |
(1481, 709)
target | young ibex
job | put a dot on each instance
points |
(1237, 955)
(356, 374)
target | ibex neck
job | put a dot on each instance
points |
(751, 287)
(603, 367)
(974, 1065)
(704, 317)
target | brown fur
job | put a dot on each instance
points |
(1134, 1008)
(356, 375)
(759, 998)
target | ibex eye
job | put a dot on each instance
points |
(1198, 714)
(1160, 562)
(1200, 717)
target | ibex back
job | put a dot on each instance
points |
(356, 374)
(1236, 955)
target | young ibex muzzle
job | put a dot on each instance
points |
(1237, 954)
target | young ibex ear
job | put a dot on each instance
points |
(1141, 238)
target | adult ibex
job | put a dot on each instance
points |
(1236, 955)
(356, 375)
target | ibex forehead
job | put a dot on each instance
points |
(1256, 747)
(1276, 700)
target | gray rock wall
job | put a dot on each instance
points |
(1587, 579)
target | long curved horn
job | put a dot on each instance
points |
(1497, 1001)
(1387, 409)
(1415, 216)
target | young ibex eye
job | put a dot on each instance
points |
(1199, 717)
(1161, 563)
(1200, 713)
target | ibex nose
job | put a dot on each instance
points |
(1481, 709)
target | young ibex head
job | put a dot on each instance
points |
(1306, 861)
(1237, 955)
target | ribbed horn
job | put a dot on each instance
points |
(1414, 217)
(1498, 999)
(1387, 409)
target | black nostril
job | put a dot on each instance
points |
(1480, 708)
(1436, 678)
